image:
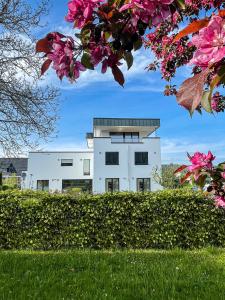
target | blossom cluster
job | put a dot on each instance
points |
(155, 11)
(171, 54)
(218, 103)
(61, 51)
(81, 11)
(210, 43)
(204, 174)
(111, 30)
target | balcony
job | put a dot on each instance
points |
(125, 140)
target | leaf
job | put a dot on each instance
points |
(137, 44)
(193, 27)
(183, 179)
(181, 4)
(45, 66)
(129, 59)
(43, 46)
(206, 101)
(201, 181)
(118, 75)
(191, 91)
(180, 169)
(220, 76)
(86, 61)
(222, 13)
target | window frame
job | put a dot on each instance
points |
(88, 173)
(66, 164)
(107, 162)
(143, 181)
(42, 188)
(140, 163)
(112, 182)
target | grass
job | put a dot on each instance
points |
(127, 275)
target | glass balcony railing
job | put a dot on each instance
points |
(125, 140)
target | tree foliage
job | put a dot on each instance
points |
(110, 32)
(166, 177)
(28, 108)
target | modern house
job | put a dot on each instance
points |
(121, 155)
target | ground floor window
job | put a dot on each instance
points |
(112, 185)
(143, 184)
(43, 185)
(84, 184)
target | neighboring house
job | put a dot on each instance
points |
(121, 156)
(13, 166)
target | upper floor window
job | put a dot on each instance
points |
(86, 166)
(112, 158)
(125, 137)
(141, 158)
(66, 162)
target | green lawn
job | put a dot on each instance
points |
(100, 275)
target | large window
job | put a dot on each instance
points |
(84, 184)
(112, 158)
(112, 185)
(141, 158)
(125, 137)
(43, 185)
(143, 184)
(86, 166)
(66, 162)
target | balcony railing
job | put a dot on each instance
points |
(125, 140)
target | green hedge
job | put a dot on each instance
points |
(167, 219)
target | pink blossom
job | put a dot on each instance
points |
(200, 161)
(220, 201)
(146, 10)
(62, 56)
(210, 43)
(81, 11)
(223, 174)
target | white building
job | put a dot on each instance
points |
(121, 155)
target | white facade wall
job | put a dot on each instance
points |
(126, 171)
(47, 166)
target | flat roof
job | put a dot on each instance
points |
(126, 122)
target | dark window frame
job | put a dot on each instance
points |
(42, 180)
(112, 161)
(126, 135)
(112, 183)
(143, 184)
(66, 164)
(137, 160)
(84, 184)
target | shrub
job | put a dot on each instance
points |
(166, 219)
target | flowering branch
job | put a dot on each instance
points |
(109, 32)
(204, 174)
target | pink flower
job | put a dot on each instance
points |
(218, 103)
(220, 201)
(146, 10)
(201, 161)
(62, 56)
(223, 174)
(210, 43)
(81, 11)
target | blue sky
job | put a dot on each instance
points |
(97, 95)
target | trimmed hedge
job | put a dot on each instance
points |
(166, 219)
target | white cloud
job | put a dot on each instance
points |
(175, 151)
